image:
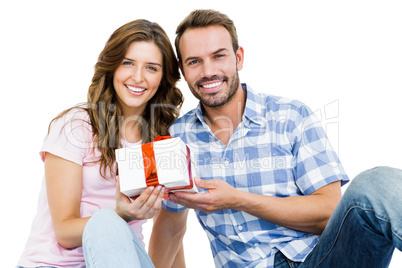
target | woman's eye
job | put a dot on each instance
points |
(152, 68)
(127, 63)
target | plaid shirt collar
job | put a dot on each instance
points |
(254, 108)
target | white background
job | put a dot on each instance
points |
(342, 58)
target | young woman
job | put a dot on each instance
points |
(132, 99)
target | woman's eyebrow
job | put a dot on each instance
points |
(153, 63)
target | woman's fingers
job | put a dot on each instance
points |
(144, 206)
(154, 200)
(143, 197)
(150, 202)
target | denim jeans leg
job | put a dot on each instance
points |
(366, 226)
(108, 241)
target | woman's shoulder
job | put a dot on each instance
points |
(77, 112)
(73, 124)
(70, 135)
(71, 118)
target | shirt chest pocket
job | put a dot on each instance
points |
(263, 169)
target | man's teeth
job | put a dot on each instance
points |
(212, 85)
(135, 89)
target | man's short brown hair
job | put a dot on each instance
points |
(203, 18)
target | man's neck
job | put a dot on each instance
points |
(223, 120)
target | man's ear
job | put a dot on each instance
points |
(240, 58)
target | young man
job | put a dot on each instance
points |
(269, 180)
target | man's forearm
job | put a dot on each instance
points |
(179, 261)
(303, 213)
(167, 238)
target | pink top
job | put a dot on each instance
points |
(72, 142)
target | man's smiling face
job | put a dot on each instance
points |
(210, 65)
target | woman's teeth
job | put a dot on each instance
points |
(135, 89)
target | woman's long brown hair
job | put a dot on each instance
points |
(102, 106)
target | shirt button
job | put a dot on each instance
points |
(226, 162)
(240, 227)
(256, 245)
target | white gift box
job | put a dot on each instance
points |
(172, 165)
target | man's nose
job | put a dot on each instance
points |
(208, 68)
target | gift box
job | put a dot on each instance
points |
(165, 161)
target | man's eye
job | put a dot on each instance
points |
(193, 62)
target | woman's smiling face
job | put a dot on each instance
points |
(138, 77)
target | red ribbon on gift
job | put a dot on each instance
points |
(151, 175)
(148, 155)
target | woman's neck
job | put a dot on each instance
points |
(132, 124)
(131, 128)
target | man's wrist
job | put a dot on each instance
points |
(240, 200)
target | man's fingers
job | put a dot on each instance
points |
(204, 184)
(186, 199)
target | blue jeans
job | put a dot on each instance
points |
(108, 241)
(365, 227)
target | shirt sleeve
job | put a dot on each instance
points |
(172, 207)
(70, 137)
(316, 163)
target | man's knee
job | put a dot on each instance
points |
(378, 177)
(376, 183)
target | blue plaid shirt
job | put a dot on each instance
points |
(279, 149)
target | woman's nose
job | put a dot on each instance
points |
(137, 75)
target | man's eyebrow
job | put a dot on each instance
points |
(152, 63)
(220, 50)
(213, 53)
(191, 58)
